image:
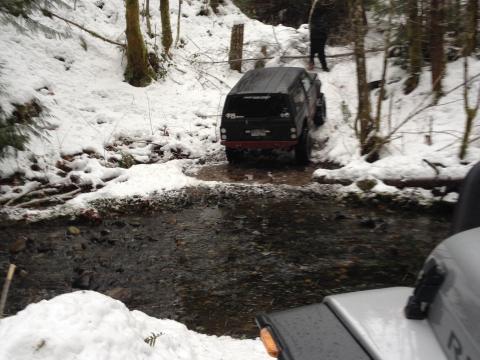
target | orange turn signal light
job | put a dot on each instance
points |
(269, 343)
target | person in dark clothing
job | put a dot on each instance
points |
(317, 46)
(319, 27)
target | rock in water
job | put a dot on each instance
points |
(73, 230)
(119, 293)
(18, 246)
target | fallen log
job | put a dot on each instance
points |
(55, 199)
(284, 57)
(31, 193)
(452, 184)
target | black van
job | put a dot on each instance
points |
(272, 108)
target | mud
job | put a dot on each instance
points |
(285, 175)
(215, 265)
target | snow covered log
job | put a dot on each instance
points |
(453, 184)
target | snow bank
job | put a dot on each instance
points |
(143, 180)
(431, 137)
(86, 325)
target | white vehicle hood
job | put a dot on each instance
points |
(376, 318)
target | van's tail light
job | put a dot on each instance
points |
(269, 343)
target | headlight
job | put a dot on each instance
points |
(285, 115)
(224, 137)
(293, 130)
(223, 130)
(293, 136)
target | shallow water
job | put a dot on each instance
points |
(214, 267)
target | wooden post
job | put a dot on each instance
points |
(6, 286)
(236, 47)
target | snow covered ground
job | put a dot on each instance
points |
(86, 325)
(96, 123)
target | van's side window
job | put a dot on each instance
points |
(299, 98)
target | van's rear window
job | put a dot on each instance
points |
(257, 105)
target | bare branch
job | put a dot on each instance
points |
(6, 287)
(287, 57)
(93, 33)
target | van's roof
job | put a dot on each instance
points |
(273, 80)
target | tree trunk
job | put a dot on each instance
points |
(414, 33)
(364, 119)
(147, 15)
(471, 22)
(138, 71)
(471, 112)
(383, 81)
(179, 17)
(166, 27)
(437, 53)
(236, 47)
(214, 5)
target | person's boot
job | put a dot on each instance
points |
(310, 66)
(325, 68)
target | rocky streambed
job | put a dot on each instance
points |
(214, 262)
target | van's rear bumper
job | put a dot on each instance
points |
(260, 144)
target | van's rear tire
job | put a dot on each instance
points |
(303, 149)
(234, 156)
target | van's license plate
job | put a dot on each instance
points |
(258, 132)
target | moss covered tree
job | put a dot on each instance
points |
(166, 26)
(138, 71)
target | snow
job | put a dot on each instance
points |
(143, 180)
(408, 155)
(87, 325)
(94, 121)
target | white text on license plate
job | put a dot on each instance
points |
(259, 132)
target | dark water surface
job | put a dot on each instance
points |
(215, 267)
